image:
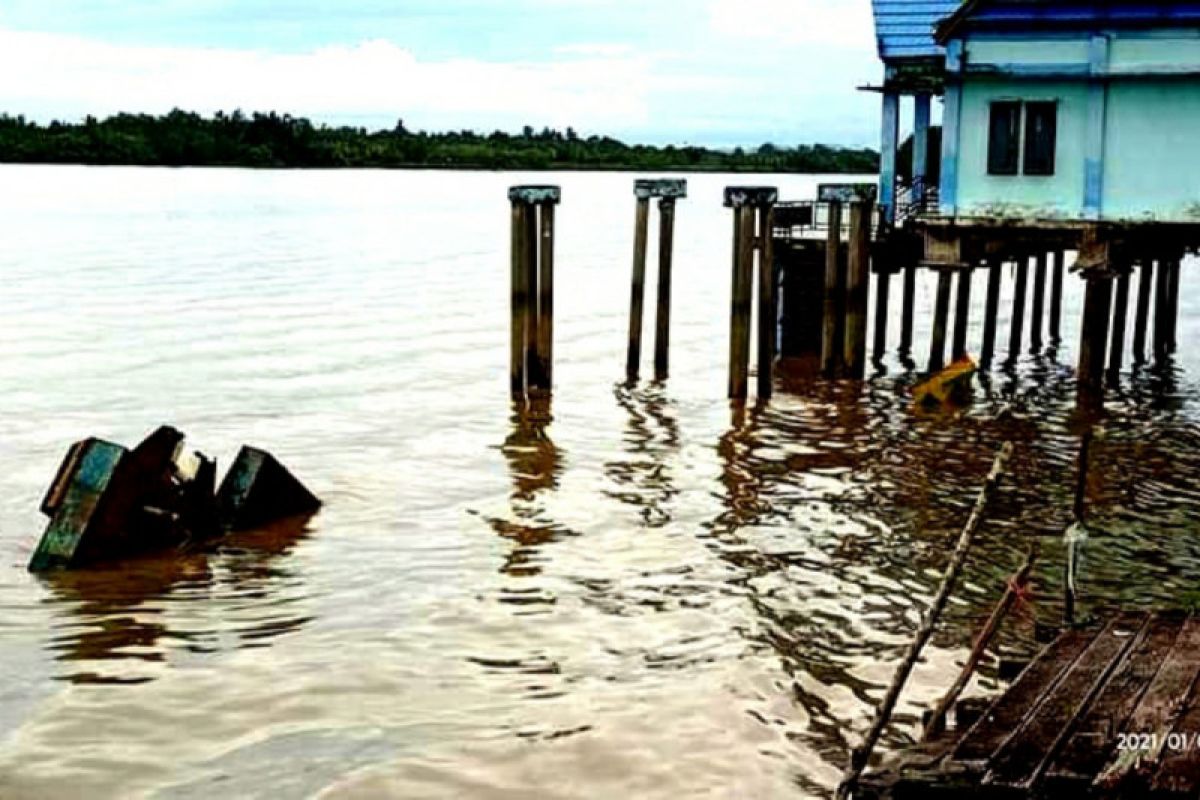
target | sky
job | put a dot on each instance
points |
(707, 72)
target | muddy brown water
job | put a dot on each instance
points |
(649, 594)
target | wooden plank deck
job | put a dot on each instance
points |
(1110, 711)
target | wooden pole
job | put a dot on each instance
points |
(854, 353)
(1018, 314)
(768, 308)
(1056, 294)
(545, 330)
(1142, 314)
(1173, 309)
(520, 300)
(941, 311)
(1097, 308)
(1012, 591)
(666, 244)
(883, 288)
(990, 312)
(533, 376)
(862, 754)
(908, 309)
(1120, 315)
(1162, 314)
(1077, 512)
(962, 314)
(831, 350)
(638, 290)
(1039, 300)
(739, 338)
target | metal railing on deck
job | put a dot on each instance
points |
(809, 219)
(913, 201)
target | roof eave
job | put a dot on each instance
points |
(948, 28)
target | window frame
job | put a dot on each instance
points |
(1011, 155)
(1029, 155)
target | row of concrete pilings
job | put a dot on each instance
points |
(765, 252)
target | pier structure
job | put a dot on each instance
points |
(1108, 710)
(1107, 256)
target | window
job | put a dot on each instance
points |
(1005, 148)
(1004, 138)
(1041, 129)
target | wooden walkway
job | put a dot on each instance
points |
(1112, 711)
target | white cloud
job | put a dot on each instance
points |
(54, 75)
(836, 23)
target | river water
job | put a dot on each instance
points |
(654, 595)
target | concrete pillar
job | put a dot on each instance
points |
(888, 145)
(920, 159)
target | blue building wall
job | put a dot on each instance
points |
(1128, 144)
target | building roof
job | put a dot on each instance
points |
(979, 15)
(904, 28)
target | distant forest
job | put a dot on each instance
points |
(182, 138)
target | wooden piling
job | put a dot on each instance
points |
(831, 349)
(854, 353)
(768, 307)
(638, 289)
(1120, 315)
(1173, 308)
(962, 314)
(1056, 294)
(1142, 314)
(883, 287)
(520, 300)
(545, 328)
(1039, 300)
(941, 311)
(1018, 309)
(739, 330)
(534, 380)
(908, 308)
(666, 246)
(1162, 313)
(1097, 307)
(532, 334)
(990, 312)
(752, 211)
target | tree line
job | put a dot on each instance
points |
(183, 138)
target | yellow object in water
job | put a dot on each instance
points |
(951, 385)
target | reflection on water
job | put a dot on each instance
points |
(650, 446)
(641, 591)
(121, 613)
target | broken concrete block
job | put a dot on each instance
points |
(106, 502)
(258, 489)
(74, 501)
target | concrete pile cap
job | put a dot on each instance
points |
(739, 196)
(644, 189)
(846, 192)
(535, 195)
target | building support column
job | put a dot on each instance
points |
(888, 146)
(1142, 313)
(951, 122)
(1097, 311)
(1120, 317)
(920, 154)
(1093, 158)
